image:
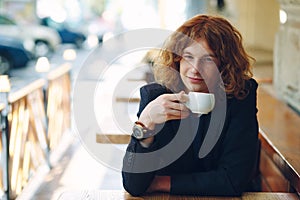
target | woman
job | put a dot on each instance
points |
(173, 150)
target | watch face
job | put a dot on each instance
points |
(137, 132)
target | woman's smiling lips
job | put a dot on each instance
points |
(195, 79)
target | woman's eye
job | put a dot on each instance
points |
(187, 57)
(208, 59)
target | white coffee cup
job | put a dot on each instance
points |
(200, 103)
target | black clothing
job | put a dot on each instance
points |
(227, 170)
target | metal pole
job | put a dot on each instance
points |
(5, 145)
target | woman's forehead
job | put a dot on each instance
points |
(198, 47)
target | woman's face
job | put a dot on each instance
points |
(198, 68)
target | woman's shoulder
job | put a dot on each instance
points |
(152, 90)
(249, 101)
(251, 84)
(249, 88)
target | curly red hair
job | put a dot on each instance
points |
(223, 39)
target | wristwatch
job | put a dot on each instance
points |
(140, 131)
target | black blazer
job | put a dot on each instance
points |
(229, 169)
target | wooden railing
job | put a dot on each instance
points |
(27, 135)
(39, 114)
(58, 104)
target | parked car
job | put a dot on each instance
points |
(46, 40)
(93, 27)
(13, 54)
(68, 35)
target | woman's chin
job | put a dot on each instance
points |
(198, 88)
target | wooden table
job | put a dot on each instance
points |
(122, 195)
(280, 137)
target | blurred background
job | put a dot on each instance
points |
(258, 21)
(45, 43)
(31, 29)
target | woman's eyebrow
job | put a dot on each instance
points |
(205, 55)
(209, 55)
(186, 52)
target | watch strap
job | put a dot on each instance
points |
(146, 132)
(141, 124)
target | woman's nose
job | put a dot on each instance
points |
(195, 70)
(196, 67)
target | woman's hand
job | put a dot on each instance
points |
(163, 108)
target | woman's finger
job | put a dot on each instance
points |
(176, 114)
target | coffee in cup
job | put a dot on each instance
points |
(200, 103)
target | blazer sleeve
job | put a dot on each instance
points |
(238, 154)
(135, 181)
